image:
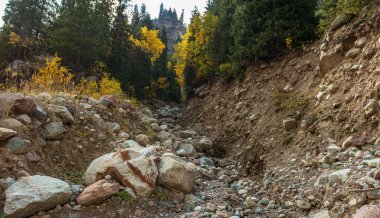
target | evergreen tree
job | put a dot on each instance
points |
(121, 47)
(80, 34)
(136, 19)
(175, 16)
(260, 28)
(24, 32)
(222, 41)
(145, 18)
(103, 17)
(182, 16)
(161, 14)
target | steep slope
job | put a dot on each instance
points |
(295, 121)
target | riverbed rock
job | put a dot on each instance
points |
(55, 130)
(187, 134)
(132, 144)
(6, 133)
(16, 145)
(176, 174)
(129, 167)
(11, 123)
(98, 192)
(61, 112)
(354, 141)
(338, 177)
(186, 150)
(24, 105)
(353, 53)
(35, 193)
(289, 124)
(367, 211)
(142, 139)
(322, 214)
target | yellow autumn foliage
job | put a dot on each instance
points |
(56, 78)
(53, 77)
(107, 86)
(110, 86)
(181, 55)
(150, 43)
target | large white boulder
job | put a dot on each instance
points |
(129, 167)
(176, 174)
(32, 194)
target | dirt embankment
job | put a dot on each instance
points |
(322, 88)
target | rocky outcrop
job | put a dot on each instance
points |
(174, 30)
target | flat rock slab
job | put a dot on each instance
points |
(32, 194)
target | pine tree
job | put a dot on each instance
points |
(121, 47)
(182, 16)
(103, 17)
(175, 16)
(136, 19)
(145, 18)
(161, 14)
(28, 22)
(260, 28)
(80, 34)
(222, 41)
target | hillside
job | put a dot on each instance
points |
(305, 125)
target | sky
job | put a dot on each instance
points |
(153, 6)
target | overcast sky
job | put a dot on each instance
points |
(153, 6)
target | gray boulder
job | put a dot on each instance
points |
(61, 112)
(174, 173)
(32, 194)
(16, 146)
(55, 130)
(186, 150)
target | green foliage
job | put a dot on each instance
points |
(2, 215)
(127, 198)
(28, 20)
(330, 9)
(170, 14)
(74, 178)
(80, 34)
(290, 103)
(261, 27)
(162, 194)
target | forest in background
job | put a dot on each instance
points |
(101, 39)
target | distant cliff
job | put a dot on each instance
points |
(174, 30)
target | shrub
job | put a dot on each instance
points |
(107, 86)
(87, 87)
(53, 77)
